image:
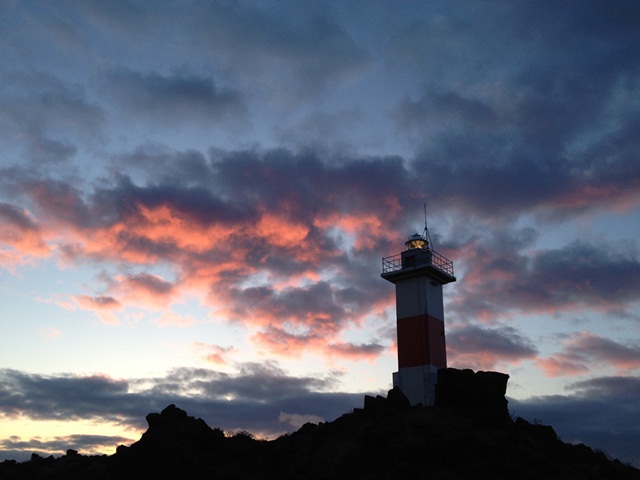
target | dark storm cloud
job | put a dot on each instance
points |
(577, 276)
(583, 272)
(625, 389)
(48, 150)
(254, 382)
(158, 164)
(59, 200)
(167, 98)
(499, 38)
(609, 403)
(47, 199)
(259, 393)
(292, 303)
(306, 184)
(288, 40)
(504, 343)
(13, 215)
(495, 174)
(58, 397)
(194, 202)
(545, 129)
(45, 108)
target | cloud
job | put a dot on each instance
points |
(60, 201)
(282, 341)
(516, 128)
(584, 350)
(608, 402)
(103, 306)
(144, 290)
(304, 49)
(165, 98)
(63, 397)
(98, 303)
(482, 348)
(16, 448)
(263, 262)
(252, 398)
(214, 354)
(50, 150)
(20, 235)
(504, 276)
(288, 240)
(51, 114)
(368, 351)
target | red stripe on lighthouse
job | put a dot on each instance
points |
(421, 342)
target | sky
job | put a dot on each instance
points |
(195, 198)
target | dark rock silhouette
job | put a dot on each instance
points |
(481, 394)
(468, 434)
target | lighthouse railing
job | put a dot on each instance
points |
(394, 262)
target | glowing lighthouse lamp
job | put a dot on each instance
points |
(418, 274)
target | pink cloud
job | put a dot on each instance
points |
(104, 307)
(584, 350)
(211, 257)
(281, 342)
(279, 231)
(20, 236)
(482, 348)
(215, 354)
(352, 351)
(611, 195)
(97, 303)
(562, 365)
(366, 228)
(284, 343)
(143, 289)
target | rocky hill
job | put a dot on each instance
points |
(468, 434)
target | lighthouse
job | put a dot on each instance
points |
(419, 274)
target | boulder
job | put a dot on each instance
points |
(480, 394)
(395, 400)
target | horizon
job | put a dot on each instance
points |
(195, 200)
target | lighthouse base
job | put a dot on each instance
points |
(417, 383)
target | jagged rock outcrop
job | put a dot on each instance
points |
(174, 443)
(395, 400)
(481, 394)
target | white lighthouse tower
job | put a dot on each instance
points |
(418, 274)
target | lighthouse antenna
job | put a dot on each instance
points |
(425, 234)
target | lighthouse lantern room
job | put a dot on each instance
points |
(419, 274)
